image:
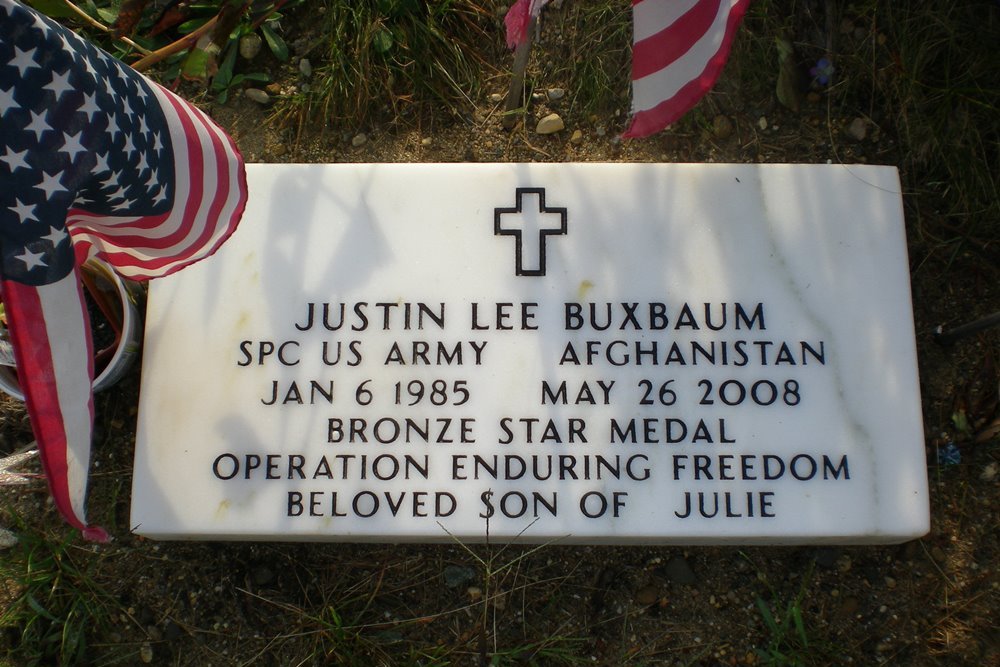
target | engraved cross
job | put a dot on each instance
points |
(530, 225)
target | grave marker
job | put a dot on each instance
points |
(598, 353)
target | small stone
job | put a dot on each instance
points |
(273, 88)
(262, 576)
(600, 130)
(848, 607)
(426, 141)
(153, 633)
(279, 150)
(250, 46)
(722, 127)
(475, 593)
(989, 472)
(555, 94)
(360, 139)
(762, 122)
(647, 595)
(937, 553)
(257, 95)
(458, 575)
(496, 98)
(678, 571)
(7, 539)
(550, 124)
(826, 557)
(857, 129)
(577, 137)
(172, 631)
(146, 652)
(305, 68)
(538, 97)
(844, 563)
(890, 582)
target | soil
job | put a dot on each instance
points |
(932, 601)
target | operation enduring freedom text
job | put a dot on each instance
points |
(660, 341)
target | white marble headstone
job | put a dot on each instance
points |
(597, 353)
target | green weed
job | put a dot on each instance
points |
(386, 58)
(53, 603)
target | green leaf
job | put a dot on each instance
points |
(382, 40)
(197, 65)
(275, 42)
(54, 8)
(223, 78)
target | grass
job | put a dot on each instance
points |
(389, 59)
(53, 603)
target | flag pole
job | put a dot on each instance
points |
(516, 89)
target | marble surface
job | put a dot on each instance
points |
(596, 353)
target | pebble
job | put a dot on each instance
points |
(279, 150)
(475, 593)
(426, 141)
(273, 88)
(989, 472)
(146, 652)
(826, 557)
(647, 595)
(550, 124)
(250, 46)
(257, 95)
(496, 97)
(305, 68)
(458, 575)
(263, 575)
(890, 582)
(600, 130)
(937, 553)
(577, 137)
(360, 139)
(555, 94)
(857, 129)
(848, 607)
(678, 571)
(722, 127)
(7, 539)
(538, 97)
(762, 122)
(844, 563)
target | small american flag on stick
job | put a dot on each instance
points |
(96, 161)
(679, 49)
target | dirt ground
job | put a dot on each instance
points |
(932, 601)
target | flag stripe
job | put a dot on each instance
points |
(663, 48)
(661, 97)
(142, 248)
(649, 18)
(59, 379)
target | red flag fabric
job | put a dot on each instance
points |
(680, 47)
(97, 161)
(518, 18)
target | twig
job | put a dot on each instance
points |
(954, 335)
(94, 23)
(175, 47)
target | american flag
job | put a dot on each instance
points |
(679, 49)
(97, 161)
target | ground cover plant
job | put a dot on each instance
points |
(903, 83)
